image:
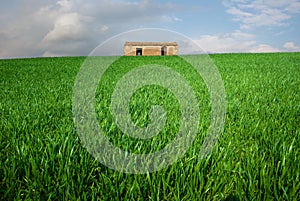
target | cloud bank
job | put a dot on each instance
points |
(74, 27)
(257, 13)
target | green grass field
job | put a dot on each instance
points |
(257, 156)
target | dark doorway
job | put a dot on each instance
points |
(139, 51)
(163, 51)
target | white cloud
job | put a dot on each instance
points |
(167, 18)
(65, 27)
(290, 46)
(65, 5)
(233, 42)
(293, 7)
(264, 48)
(260, 13)
(239, 13)
(104, 28)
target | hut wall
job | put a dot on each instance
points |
(149, 50)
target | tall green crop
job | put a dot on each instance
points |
(257, 156)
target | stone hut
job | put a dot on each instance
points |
(150, 48)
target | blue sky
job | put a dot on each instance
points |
(32, 28)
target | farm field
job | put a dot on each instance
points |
(257, 156)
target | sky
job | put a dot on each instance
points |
(37, 28)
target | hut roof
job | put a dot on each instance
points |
(151, 44)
